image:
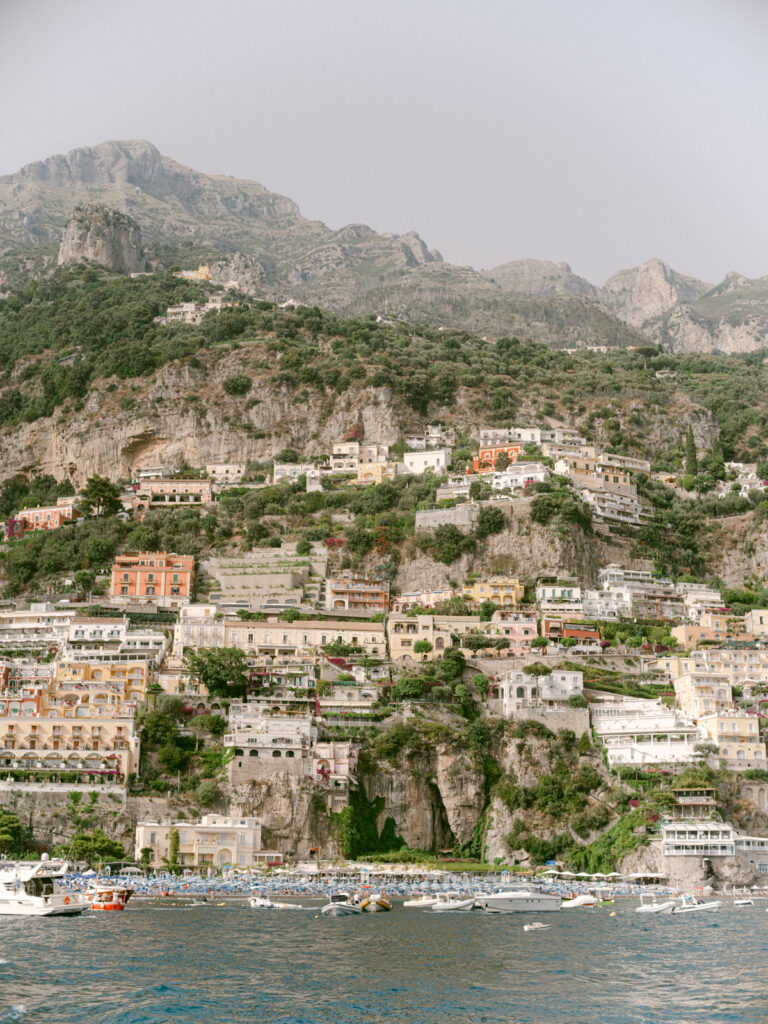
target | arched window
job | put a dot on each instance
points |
(520, 691)
(253, 753)
(289, 753)
(277, 753)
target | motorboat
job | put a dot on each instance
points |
(584, 900)
(744, 903)
(265, 903)
(341, 905)
(515, 901)
(374, 902)
(650, 905)
(692, 905)
(33, 889)
(108, 897)
(451, 903)
(535, 926)
(422, 903)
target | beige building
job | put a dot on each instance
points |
(404, 631)
(275, 638)
(213, 842)
(756, 622)
(376, 472)
(737, 735)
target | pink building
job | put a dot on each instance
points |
(46, 517)
(517, 627)
(170, 493)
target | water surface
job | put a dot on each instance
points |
(230, 964)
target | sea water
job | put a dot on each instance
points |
(231, 964)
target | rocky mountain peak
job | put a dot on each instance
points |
(650, 290)
(539, 277)
(99, 235)
(135, 162)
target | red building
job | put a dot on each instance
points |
(153, 577)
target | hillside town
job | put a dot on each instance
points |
(282, 660)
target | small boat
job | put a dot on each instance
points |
(515, 901)
(265, 903)
(341, 905)
(375, 902)
(422, 903)
(692, 905)
(744, 903)
(535, 926)
(452, 903)
(585, 900)
(102, 897)
(33, 889)
(654, 906)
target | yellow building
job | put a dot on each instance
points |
(736, 734)
(504, 591)
(700, 693)
(712, 628)
(404, 631)
(376, 472)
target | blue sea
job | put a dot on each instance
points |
(227, 964)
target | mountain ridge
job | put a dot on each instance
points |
(187, 216)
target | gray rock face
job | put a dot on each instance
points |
(540, 277)
(648, 291)
(97, 234)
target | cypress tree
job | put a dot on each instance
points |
(691, 462)
(716, 460)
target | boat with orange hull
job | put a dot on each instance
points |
(104, 897)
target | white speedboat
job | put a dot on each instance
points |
(535, 926)
(650, 905)
(341, 905)
(584, 900)
(744, 903)
(32, 889)
(452, 903)
(374, 902)
(515, 901)
(265, 903)
(422, 903)
(693, 905)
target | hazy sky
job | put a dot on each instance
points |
(600, 132)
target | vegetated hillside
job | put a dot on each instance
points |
(90, 384)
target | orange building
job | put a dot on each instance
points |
(47, 517)
(153, 577)
(485, 460)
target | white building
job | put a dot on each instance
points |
(635, 731)
(435, 460)
(226, 472)
(290, 471)
(559, 597)
(519, 475)
(518, 691)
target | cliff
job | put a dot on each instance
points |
(95, 234)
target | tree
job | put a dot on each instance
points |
(716, 460)
(92, 847)
(489, 520)
(422, 647)
(480, 685)
(409, 687)
(11, 833)
(502, 461)
(207, 793)
(100, 497)
(173, 848)
(171, 706)
(174, 759)
(237, 384)
(158, 730)
(691, 460)
(487, 608)
(146, 857)
(539, 642)
(475, 490)
(221, 670)
(476, 642)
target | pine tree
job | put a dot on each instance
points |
(716, 460)
(691, 462)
